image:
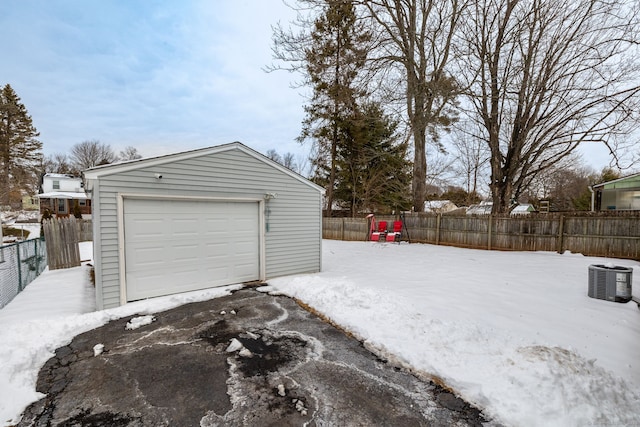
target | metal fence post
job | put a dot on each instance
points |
(20, 288)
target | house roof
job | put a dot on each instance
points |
(437, 203)
(62, 195)
(106, 170)
(430, 205)
(613, 181)
(523, 208)
(61, 176)
(484, 208)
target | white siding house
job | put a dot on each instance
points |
(58, 182)
(60, 192)
(198, 219)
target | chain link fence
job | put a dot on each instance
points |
(20, 264)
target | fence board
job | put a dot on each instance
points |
(591, 234)
(62, 237)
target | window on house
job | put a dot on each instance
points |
(82, 202)
(56, 185)
(62, 206)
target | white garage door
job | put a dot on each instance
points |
(174, 246)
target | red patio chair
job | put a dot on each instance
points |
(396, 234)
(381, 231)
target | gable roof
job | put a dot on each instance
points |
(613, 181)
(106, 170)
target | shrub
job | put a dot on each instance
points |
(76, 210)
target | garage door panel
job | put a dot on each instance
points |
(185, 253)
(208, 244)
(144, 257)
(217, 251)
(146, 227)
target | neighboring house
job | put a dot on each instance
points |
(198, 219)
(30, 203)
(484, 208)
(60, 193)
(439, 206)
(523, 209)
(621, 194)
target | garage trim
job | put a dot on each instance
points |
(121, 238)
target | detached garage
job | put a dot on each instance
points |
(199, 219)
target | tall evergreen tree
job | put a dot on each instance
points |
(374, 174)
(20, 150)
(337, 51)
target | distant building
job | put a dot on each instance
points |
(30, 203)
(622, 194)
(484, 208)
(60, 193)
(523, 209)
(439, 206)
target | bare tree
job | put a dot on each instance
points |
(289, 161)
(273, 155)
(57, 163)
(546, 76)
(91, 153)
(129, 153)
(564, 185)
(415, 38)
(471, 156)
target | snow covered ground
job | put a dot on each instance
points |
(513, 332)
(25, 221)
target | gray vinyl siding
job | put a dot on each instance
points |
(292, 244)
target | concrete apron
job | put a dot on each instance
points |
(265, 361)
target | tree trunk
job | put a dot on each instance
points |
(419, 183)
(334, 141)
(5, 157)
(4, 183)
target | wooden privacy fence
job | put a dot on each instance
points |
(614, 236)
(62, 236)
(85, 230)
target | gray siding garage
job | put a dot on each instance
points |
(199, 219)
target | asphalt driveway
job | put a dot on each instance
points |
(249, 359)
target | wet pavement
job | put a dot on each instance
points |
(249, 359)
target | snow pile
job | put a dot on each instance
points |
(139, 321)
(512, 332)
(98, 349)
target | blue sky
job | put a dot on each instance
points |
(160, 75)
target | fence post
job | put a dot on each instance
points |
(342, 228)
(561, 234)
(489, 229)
(20, 288)
(438, 228)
